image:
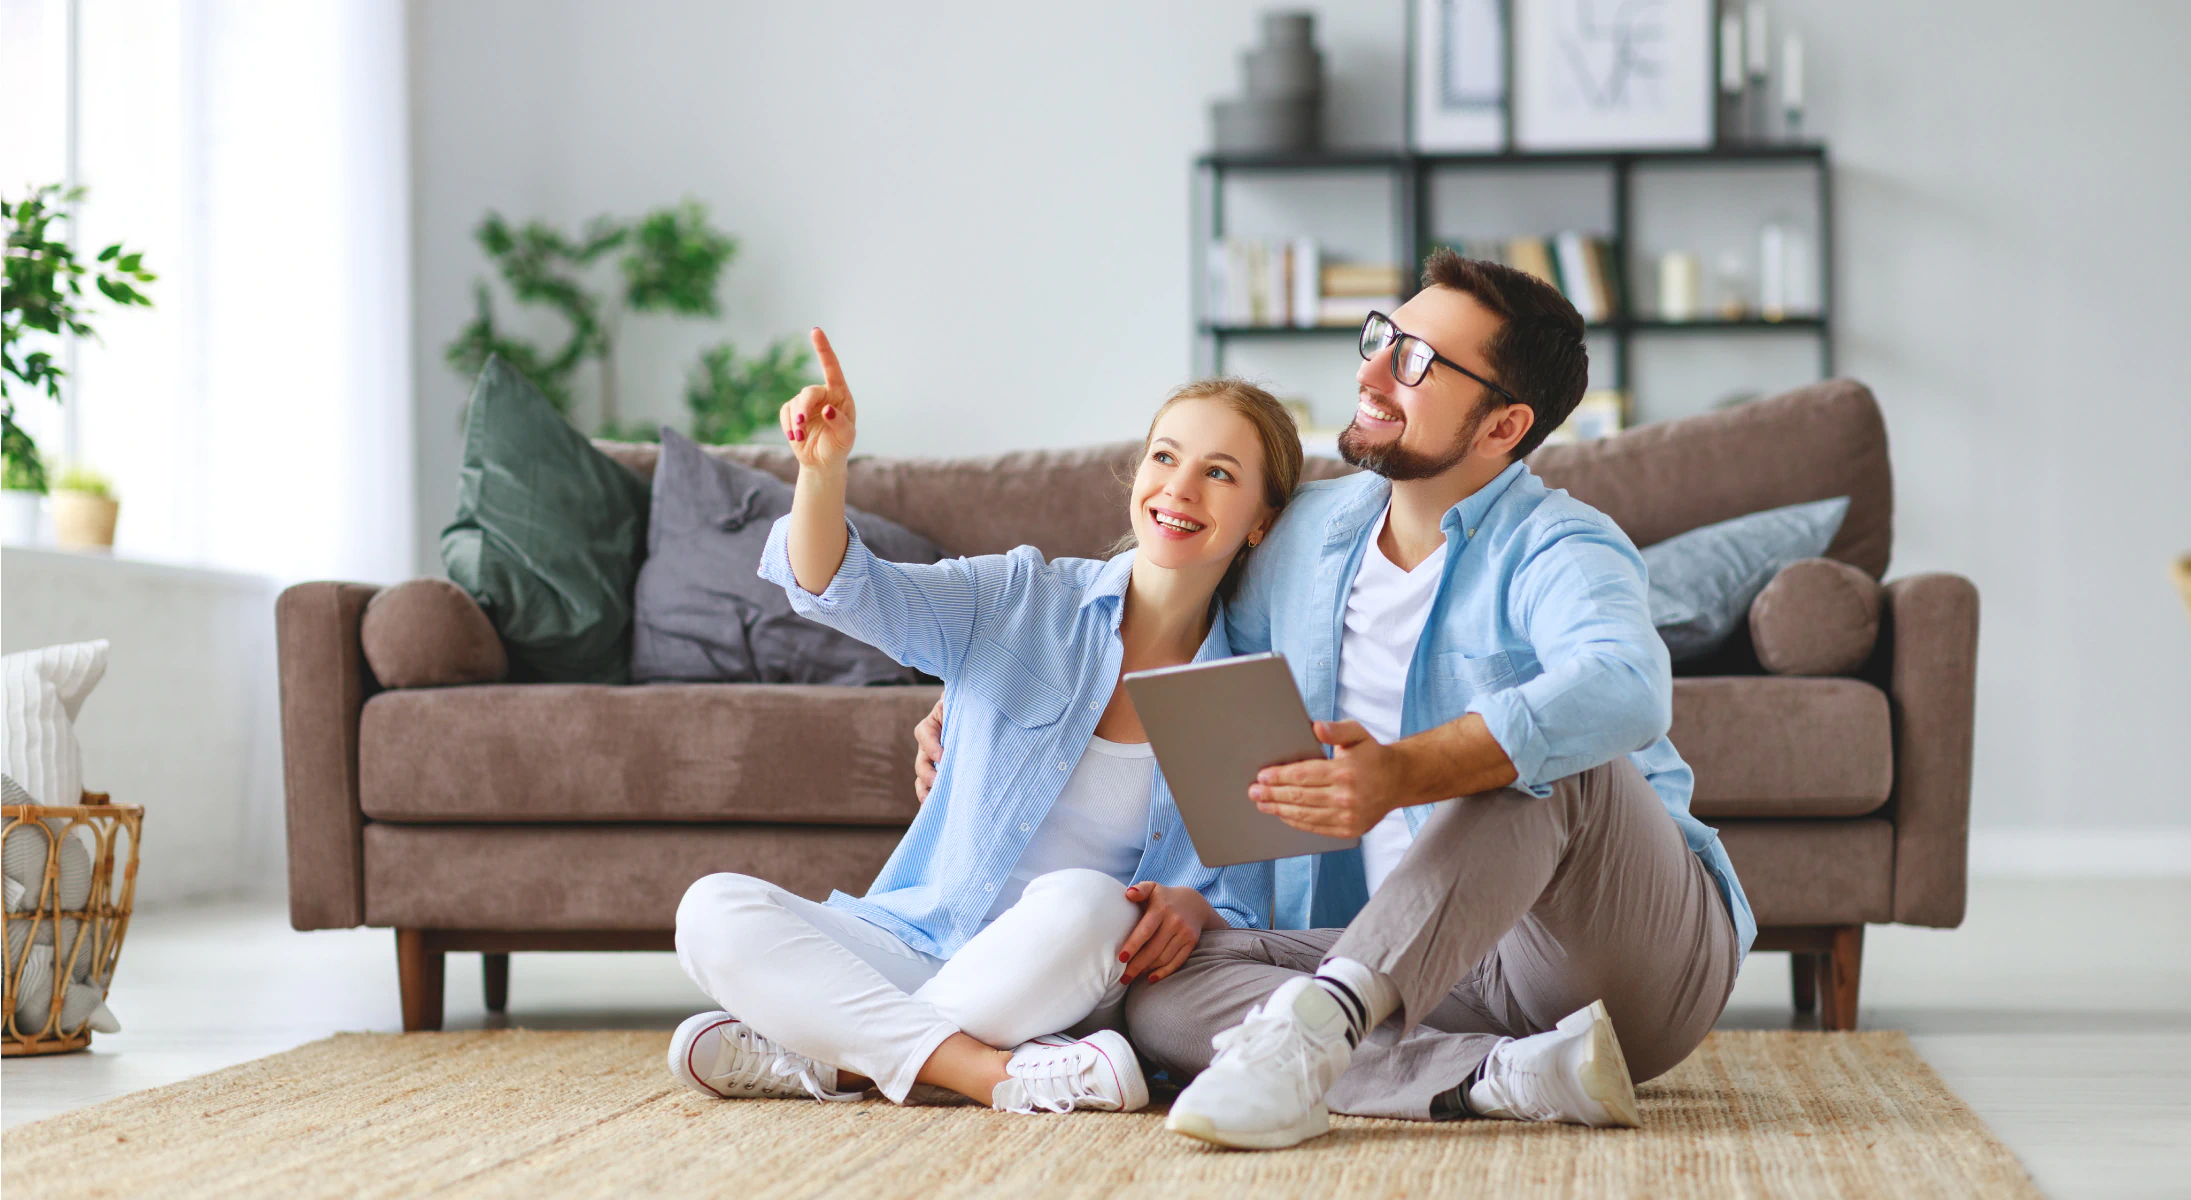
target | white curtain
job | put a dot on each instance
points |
(258, 418)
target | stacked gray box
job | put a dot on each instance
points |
(1283, 110)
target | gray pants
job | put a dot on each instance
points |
(1508, 913)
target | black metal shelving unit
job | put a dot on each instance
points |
(1413, 175)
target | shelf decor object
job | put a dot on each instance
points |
(1791, 87)
(1457, 59)
(64, 919)
(1591, 75)
(1282, 110)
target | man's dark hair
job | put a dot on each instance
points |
(1538, 353)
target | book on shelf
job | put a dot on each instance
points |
(1581, 265)
(1352, 310)
(1600, 413)
(1364, 279)
(1263, 282)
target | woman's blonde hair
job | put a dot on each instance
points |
(1274, 427)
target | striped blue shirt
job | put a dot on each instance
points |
(1030, 653)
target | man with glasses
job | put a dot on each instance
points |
(1529, 880)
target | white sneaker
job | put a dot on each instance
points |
(1265, 1089)
(1575, 1073)
(716, 1054)
(1059, 1074)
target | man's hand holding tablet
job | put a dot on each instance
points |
(1215, 726)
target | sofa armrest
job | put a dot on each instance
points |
(1929, 644)
(324, 684)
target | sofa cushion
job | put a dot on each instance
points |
(1766, 746)
(547, 536)
(1669, 477)
(663, 752)
(1065, 503)
(1702, 582)
(430, 633)
(1813, 443)
(1816, 617)
(701, 611)
(594, 877)
(1814, 872)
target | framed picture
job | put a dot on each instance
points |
(1457, 59)
(1613, 74)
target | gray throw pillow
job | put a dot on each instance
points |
(702, 613)
(1702, 581)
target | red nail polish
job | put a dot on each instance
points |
(829, 412)
(1122, 956)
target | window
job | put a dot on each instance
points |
(258, 416)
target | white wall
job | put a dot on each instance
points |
(184, 723)
(987, 205)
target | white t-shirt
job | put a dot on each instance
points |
(1386, 611)
(1100, 820)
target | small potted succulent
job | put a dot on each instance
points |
(84, 509)
(44, 301)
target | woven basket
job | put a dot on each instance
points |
(76, 938)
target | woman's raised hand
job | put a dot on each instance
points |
(820, 421)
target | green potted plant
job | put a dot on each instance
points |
(669, 262)
(84, 509)
(44, 301)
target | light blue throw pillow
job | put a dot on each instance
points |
(1702, 581)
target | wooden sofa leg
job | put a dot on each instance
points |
(419, 976)
(495, 972)
(1843, 968)
(1804, 970)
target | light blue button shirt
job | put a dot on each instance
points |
(1541, 625)
(1029, 651)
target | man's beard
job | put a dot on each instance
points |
(1400, 465)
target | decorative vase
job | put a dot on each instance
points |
(19, 512)
(84, 520)
(1282, 111)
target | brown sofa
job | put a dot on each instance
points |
(497, 817)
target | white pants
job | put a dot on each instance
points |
(843, 991)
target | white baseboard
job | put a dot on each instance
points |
(2081, 853)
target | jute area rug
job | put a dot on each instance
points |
(527, 1114)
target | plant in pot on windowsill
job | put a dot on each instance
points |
(84, 509)
(43, 302)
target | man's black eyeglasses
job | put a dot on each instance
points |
(1411, 355)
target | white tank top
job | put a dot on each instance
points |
(1100, 820)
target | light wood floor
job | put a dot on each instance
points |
(2061, 1011)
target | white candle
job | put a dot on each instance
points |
(1791, 73)
(1730, 53)
(1677, 286)
(1758, 49)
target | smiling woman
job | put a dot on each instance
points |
(1049, 867)
(1276, 466)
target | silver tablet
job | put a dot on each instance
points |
(1213, 726)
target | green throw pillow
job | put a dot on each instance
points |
(548, 535)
